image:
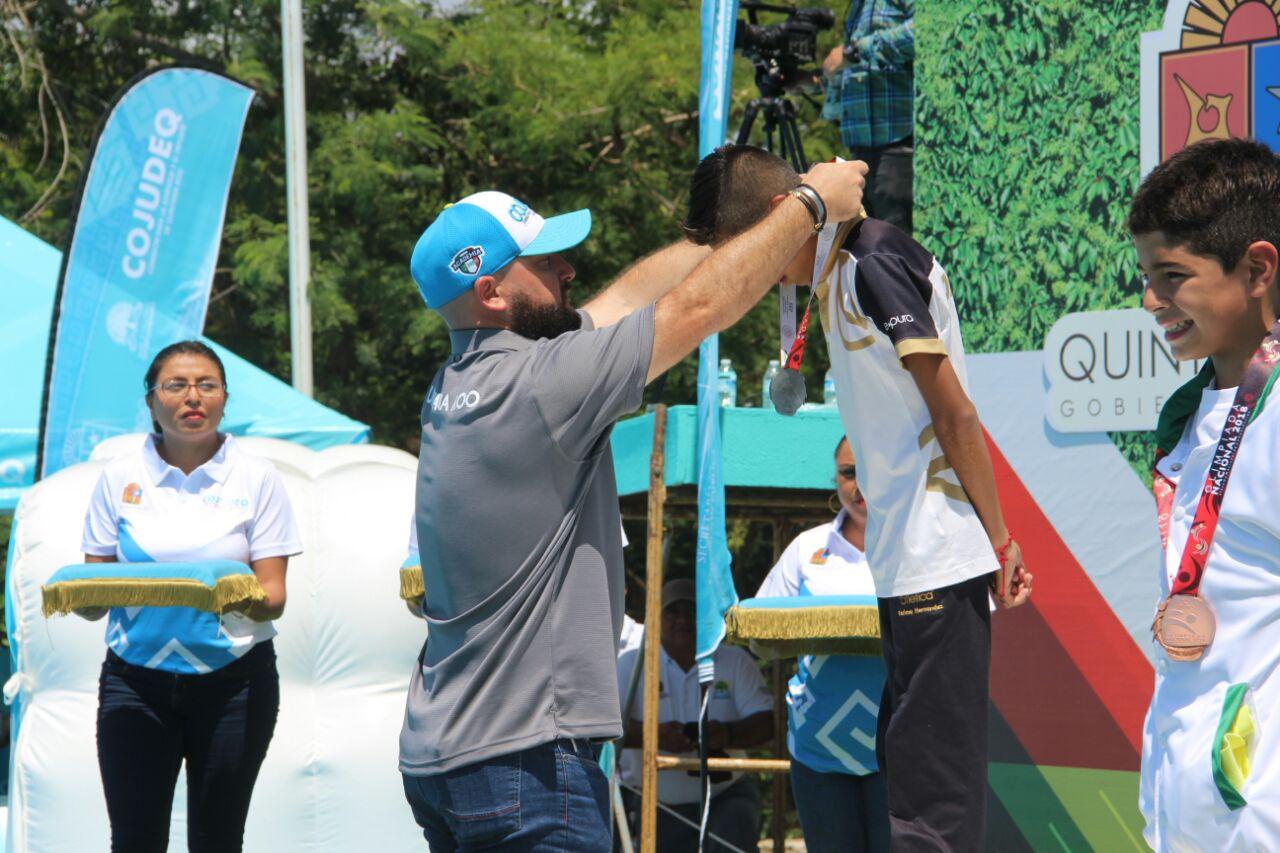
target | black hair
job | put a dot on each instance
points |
(1215, 197)
(731, 189)
(179, 348)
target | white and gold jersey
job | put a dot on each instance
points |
(883, 297)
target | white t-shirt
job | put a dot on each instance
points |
(1178, 798)
(632, 634)
(233, 507)
(737, 692)
(882, 297)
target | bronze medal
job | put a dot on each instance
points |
(1184, 627)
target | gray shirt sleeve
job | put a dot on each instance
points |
(585, 380)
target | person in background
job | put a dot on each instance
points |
(740, 715)
(871, 92)
(840, 794)
(181, 685)
(413, 560)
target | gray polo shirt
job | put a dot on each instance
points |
(517, 515)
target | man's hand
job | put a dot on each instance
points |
(671, 738)
(840, 187)
(717, 734)
(834, 60)
(1012, 582)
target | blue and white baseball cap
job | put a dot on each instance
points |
(480, 235)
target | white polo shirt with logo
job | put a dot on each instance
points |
(833, 701)
(737, 693)
(143, 510)
(1177, 794)
(883, 297)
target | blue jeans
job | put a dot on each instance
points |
(840, 812)
(548, 797)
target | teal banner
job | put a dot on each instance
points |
(143, 248)
(716, 593)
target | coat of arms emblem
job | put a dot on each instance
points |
(467, 261)
(1213, 72)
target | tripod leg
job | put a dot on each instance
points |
(748, 119)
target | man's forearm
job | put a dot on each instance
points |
(960, 437)
(645, 282)
(752, 731)
(727, 284)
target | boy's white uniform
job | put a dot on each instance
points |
(1180, 801)
(883, 297)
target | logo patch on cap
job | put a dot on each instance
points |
(467, 261)
(519, 212)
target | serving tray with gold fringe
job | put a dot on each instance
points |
(806, 625)
(208, 586)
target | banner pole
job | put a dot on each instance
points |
(295, 146)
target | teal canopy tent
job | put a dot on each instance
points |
(261, 404)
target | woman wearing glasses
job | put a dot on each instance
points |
(180, 684)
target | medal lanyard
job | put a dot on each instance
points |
(1258, 376)
(793, 340)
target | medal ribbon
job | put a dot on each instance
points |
(1259, 374)
(795, 357)
(786, 317)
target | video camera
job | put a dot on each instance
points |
(778, 50)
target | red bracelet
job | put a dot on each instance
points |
(1004, 549)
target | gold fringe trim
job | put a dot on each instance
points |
(411, 585)
(777, 633)
(66, 596)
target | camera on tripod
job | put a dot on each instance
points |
(778, 50)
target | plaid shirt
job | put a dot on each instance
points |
(877, 90)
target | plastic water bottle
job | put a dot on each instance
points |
(728, 385)
(828, 389)
(772, 371)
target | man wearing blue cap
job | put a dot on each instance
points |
(517, 509)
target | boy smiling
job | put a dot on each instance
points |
(1206, 225)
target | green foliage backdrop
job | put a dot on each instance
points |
(1027, 155)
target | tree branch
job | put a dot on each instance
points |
(137, 38)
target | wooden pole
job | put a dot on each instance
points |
(780, 533)
(653, 632)
(747, 765)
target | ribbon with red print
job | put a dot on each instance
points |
(1259, 375)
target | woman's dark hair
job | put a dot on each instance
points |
(180, 348)
(839, 444)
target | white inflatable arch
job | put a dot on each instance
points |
(346, 646)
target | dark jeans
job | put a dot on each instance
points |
(150, 721)
(888, 191)
(932, 736)
(840, 812)
(549, 797)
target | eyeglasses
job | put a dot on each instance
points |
(178, 388)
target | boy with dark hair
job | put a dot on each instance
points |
(936, 539)
(1206, 225)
